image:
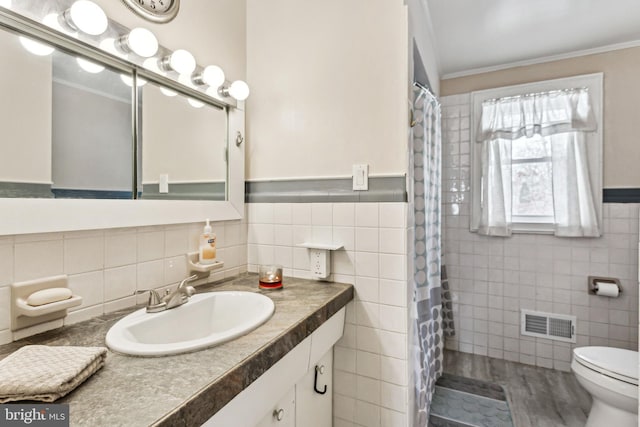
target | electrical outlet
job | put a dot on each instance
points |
(320, 263)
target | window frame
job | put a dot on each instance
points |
(594, 141)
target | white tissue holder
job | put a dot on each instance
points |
(201, 270)
(24, 315)
(593, 281)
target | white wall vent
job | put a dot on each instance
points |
(559, 327)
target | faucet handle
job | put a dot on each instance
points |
(189, 290)
(154, 298)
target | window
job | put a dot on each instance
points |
(531, 188)
(537, 158)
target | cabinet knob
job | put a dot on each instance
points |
(278, 414)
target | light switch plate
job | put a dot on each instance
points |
(163, 186)
(360, 177)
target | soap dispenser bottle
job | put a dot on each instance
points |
(207, 252)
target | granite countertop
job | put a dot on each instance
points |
(187, 389)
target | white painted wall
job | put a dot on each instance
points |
(25, 113)
(329, 83)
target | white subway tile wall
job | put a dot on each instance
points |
(493, 278)
(370, 360)
(106, 267)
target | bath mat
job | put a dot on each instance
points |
(465, 402)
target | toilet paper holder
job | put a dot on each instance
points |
(592, 283)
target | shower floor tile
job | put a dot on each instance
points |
(466, 402)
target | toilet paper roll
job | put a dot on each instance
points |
(607, 289)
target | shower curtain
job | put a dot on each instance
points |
(424, 205)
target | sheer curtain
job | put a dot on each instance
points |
(564, 118)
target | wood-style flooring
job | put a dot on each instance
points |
(538, 397)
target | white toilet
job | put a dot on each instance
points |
(610, 375)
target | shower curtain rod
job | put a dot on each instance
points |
(427, 90)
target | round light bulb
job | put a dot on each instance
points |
(88, 17)
(212, 92)
(142, 42)
(195, 103)
(37, 48)
(151, 64)
(182, 61)
(213, 76)
(185, 79)
(168, 92)
(89, 67)
(128, 80)
(52, 20)
(239, 90)
(109, 45)
(5, 3)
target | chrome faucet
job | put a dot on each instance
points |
(171, 299)
(181, 294)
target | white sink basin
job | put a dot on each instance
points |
(206, 320)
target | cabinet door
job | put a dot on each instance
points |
(314, 409)
(283, 414)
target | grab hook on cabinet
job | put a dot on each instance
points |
(315, 380)
(239, 139)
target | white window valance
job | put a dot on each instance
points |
(545, 113)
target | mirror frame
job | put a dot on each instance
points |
(27, 216)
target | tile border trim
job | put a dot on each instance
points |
(621, 195)
(326, 190)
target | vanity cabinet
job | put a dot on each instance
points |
(302, 406)
(283, 413)
(314, 409)
(289, 385)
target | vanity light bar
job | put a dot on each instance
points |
(87, 22)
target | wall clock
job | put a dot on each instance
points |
(158, 11)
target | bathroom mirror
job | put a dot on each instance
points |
(183, 143)
(70, 158)
(67, 124)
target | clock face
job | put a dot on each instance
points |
(155, 10)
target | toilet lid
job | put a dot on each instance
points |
(614, 362)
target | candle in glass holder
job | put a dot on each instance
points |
(270, 277)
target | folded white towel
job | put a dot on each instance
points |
(45, 373)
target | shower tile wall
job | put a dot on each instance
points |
(105, 267)
(370, 361)
(493, 278)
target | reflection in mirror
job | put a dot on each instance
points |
(67, 124)
(92, 131)
(183, 149)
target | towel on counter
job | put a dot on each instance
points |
(46, 373)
